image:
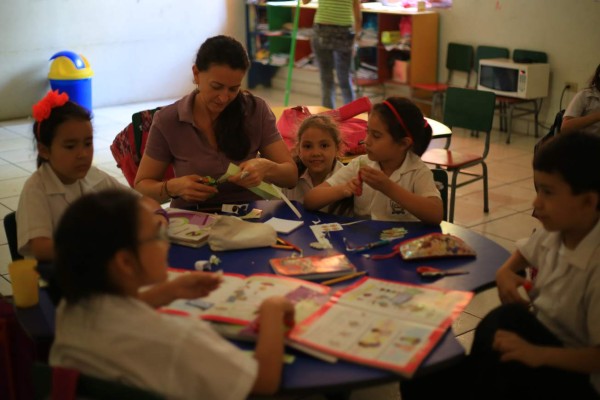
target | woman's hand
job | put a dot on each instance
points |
(190, 188)
(508, 283)
(252, 173)
(374, 178)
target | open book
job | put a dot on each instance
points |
(189, 228)
(384, 324)
(233, 307)
(238, 298)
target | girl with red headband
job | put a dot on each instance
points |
(390, 182)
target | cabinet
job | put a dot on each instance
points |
(269, 28)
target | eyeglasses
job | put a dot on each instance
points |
(161, 235)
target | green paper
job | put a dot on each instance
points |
(264, 190)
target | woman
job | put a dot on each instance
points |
(583, 113)
(217, 124)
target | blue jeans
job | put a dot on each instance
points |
(333, 49)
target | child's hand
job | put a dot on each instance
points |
(508, 284)
(278, 307)
(374, 178)
(352, 188)
(194, 284)
(514, 348)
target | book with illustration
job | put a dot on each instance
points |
(237, 299)
(189, 228)
(384, 324)
(313, 267)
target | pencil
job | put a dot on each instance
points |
(344, 278)
(286, 243)
(281, 246)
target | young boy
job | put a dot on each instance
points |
(552, 351)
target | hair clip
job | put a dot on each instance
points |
(43, 108)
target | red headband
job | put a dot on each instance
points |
(399, 118)
(43, 108)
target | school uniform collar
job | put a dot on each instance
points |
(410, 163)
(582, 255)
(53, 185)
(306, 176)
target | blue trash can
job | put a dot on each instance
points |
(71, 73)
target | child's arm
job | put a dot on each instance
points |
(42, 248)
(428, 209)
(187, 286)
(514, 348)
(508, 281)
(324, 194)
(273, 313)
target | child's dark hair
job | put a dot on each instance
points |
(88, 236)
(324, 123)
(230, 126)
(45, 130)
(595, 81)
(574, 156)
(408, 122)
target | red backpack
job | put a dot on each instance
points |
(129, 145)
(353, 130)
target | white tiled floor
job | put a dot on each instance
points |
(510, 185)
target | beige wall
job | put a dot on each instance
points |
(138, 49)
(567, 30)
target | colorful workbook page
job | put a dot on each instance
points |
(313, 267)
(384, 324)
(238, 298)
(189, 228)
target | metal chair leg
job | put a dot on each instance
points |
(453, 195)
(485, 187)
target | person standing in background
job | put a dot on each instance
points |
(337, 23)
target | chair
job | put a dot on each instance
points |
(513, 107)
(129, 144)
(473, 110)
(67, 384)
(10, 228)
(440, 177)
(459, 58)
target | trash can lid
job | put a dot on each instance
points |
(69, 66)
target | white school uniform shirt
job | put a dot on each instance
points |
(123, 339)
(305, 184)
(566, 290)
(585, 102)
(413, 175)
(45, 198)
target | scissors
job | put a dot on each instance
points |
(431, 272)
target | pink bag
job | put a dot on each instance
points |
(353, 130)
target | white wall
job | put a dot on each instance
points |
(138, 49)
(567, 30)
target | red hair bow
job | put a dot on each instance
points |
(43, 108)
